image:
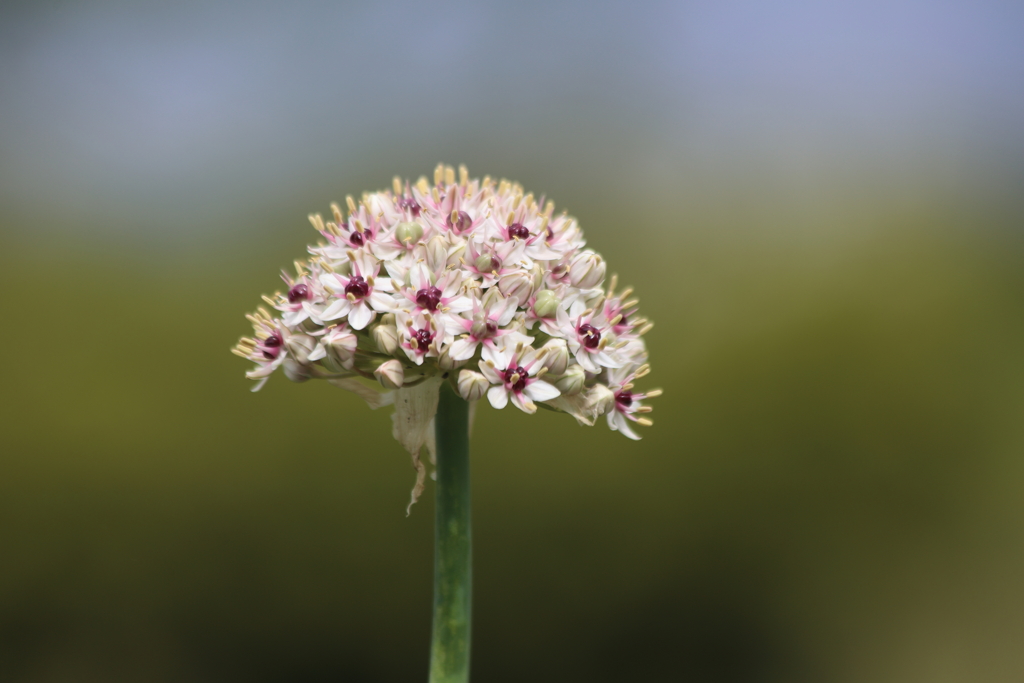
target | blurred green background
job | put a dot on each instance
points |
(821, 208)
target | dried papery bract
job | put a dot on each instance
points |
(460, 280)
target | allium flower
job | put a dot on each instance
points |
(426, 278)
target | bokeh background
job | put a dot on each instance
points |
(820, 204)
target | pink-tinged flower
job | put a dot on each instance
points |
(459, 215)
(267, 347)
(302, 289)
(588, 334)
(419, 335)
(627, 407)
(488, 324)
(525, 225)
(490, 261)
(361, 294)
(432, 294)
(358, 233)
(563, 235)
(337, 345)
(516, 372)
(401, 239)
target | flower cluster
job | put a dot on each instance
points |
(463, 280)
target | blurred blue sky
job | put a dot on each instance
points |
(186, 112)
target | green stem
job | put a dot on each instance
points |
(453, 571)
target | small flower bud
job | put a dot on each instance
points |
(557, 357)
(390, 374)
(572, 382)
(587, 270)
(546, 304)
(386, 337)
(339, 349)
(437, 254)
(454, 258)
(472, 385)
(408, 232)
(445, 362)
(518, 284)
(491, 299)
(299, 346)
(294, 370)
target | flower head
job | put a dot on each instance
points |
(429, 277)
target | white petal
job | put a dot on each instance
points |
(509, 312)
(419, 277)
(339, 308)
(498, 397)
(382, 302)
(459, 304)
(524, 404)
(463, 349)
(493, 376)
(360, 316)
(293, 318)
(618, 422)
(606, 360)
(499, 357)
(539, 390)
(317, 353)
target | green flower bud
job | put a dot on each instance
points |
(571, 383)
(485, 263)
(546, 304)
(408, 232)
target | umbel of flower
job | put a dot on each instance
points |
(459, 280)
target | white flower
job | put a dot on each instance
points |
(456, 272)
(516, 372)
(360, 293)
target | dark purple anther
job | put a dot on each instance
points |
(357, 287)
(429, 298)
(591, 336)
(356, 239)
(521, 382)
(298, 293)
(519, 231)
(423, 339)
(409, 204)
(624, 398)
(462, 224)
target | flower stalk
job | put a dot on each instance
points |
(453, 570)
